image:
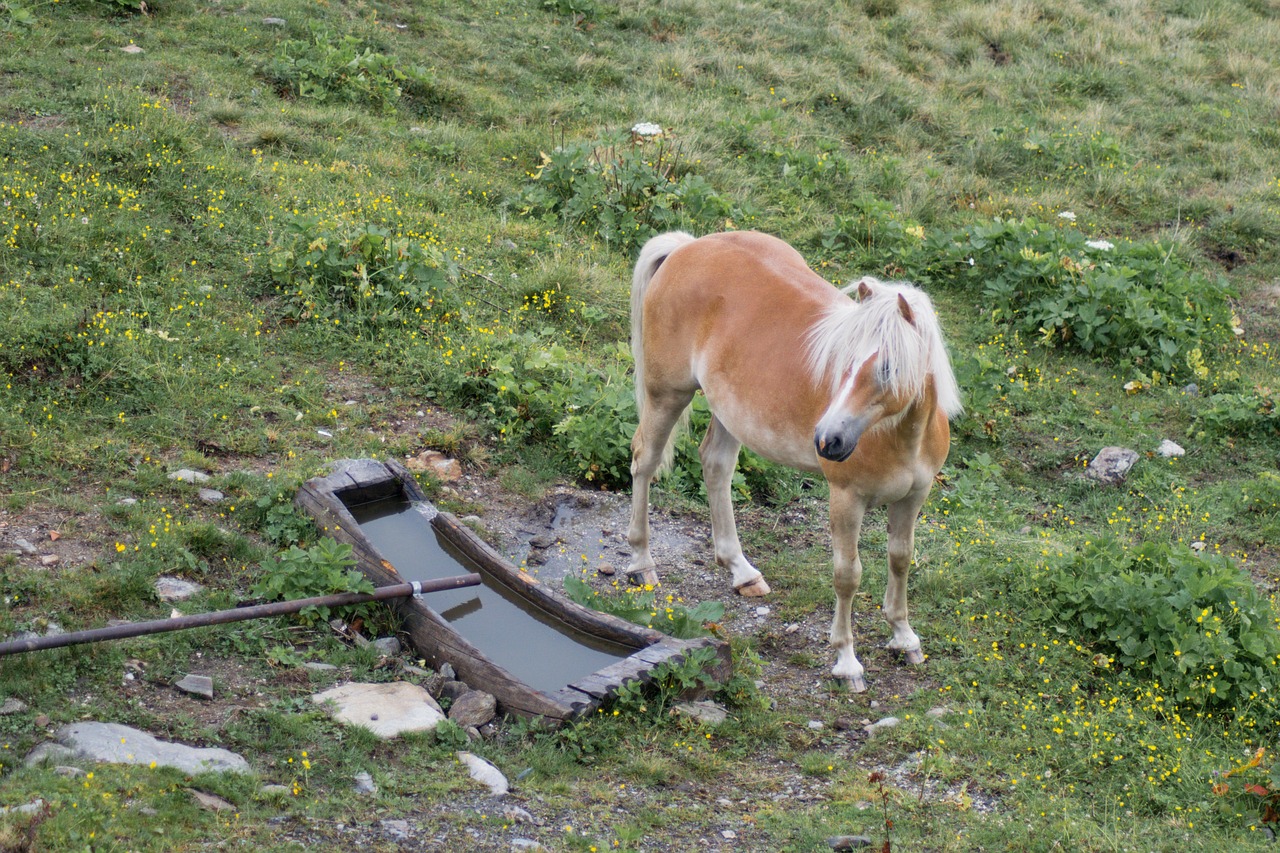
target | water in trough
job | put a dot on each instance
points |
(537, 648)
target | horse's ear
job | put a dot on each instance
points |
(864, 289)
(905, 310)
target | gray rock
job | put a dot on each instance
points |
(274, 791)
(446, 669)
(118, 744)
(1170, 449)
(815, 725)
(316, 666)
(25, 547)
(707, 713)
(485, 773)
(210, 496)
(848, 842)
(49, 752)
(1191, 390)
(27, 808)
(186, 475)
(473, 709)
(198, 685)
(389, 646)
(526, 845)
(937, 713)
(385, 709)
(175, 589)
(365, 784)
(881, 725)
(12, 706)
(274, 22)
(396, 828)
(515, 814)
(451, 690)
(68, 771)
(1111, 465)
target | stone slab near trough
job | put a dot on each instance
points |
(387, 710)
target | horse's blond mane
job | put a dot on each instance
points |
(913, 351)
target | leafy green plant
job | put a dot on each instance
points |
(14, 15)
(362, 275)
(1253, 785)
(1240, 415)
(1192, 623)
(1135, 302)
(667, 681)
(323, 569)
(873, 236)
(624, 192)
(342, 68)
(274, 515)
(580, 10)
(641, 606)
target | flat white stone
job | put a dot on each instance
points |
(485, 773)
(175, 589)
(387, 710)
(119, 744)
(1170, 449)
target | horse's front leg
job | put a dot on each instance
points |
(902, 530)
(847, 509)
(719, 454)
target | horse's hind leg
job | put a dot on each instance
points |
(847, 510)
(719, 453)
(647, 446)
(902, 529)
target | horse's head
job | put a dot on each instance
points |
(870, 393)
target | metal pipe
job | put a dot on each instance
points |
(237, 614)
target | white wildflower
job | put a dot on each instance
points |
(646, 128)
(1101, 245)
(1067, 215)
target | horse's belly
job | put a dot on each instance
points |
(764, 434)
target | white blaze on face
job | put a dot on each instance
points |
(839, 425)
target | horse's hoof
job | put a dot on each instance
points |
(855, 685)
(754, 589)
(642, 577)
(914, 657)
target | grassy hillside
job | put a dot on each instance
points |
(251, 239)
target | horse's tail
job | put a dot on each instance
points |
(654, 252)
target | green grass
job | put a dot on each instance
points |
(211, 259)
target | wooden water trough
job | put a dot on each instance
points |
(454, 635)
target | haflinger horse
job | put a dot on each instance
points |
(859, 390)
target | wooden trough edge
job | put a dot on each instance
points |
(436, 640)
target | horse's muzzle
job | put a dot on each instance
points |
(836, 448)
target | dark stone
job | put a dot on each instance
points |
(473, 709)
(451, 690)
